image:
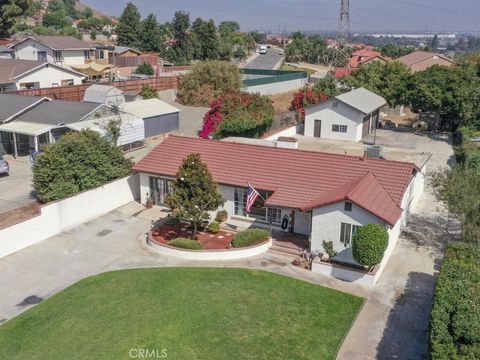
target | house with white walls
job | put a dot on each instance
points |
(321, 195)
(63, 50)
(350, 116)
(18, 74)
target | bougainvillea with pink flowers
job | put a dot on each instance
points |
(238, 114)
(305, 98)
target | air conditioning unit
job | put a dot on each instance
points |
(374, 151)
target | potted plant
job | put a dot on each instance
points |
(149, 202)
(222, 216)
(329, 250)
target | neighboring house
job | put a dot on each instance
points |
(6, 53)
(158, 116)
(322, 195)
(422, 60)
(64, 50)
(43, 124)
(364, 56)
(350, 116)
(18, 74)
(104, 94)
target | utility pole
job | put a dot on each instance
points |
(343, 35)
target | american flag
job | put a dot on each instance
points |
(252, 196)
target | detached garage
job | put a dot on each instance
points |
(158, 116)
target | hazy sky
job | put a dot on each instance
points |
(322, 15)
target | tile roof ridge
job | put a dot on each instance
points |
(372, 173)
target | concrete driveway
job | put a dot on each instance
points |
(16, 189)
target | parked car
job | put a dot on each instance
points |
(281, 52)
(263, 49)
(4, 167)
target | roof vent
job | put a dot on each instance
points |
(286, 142)
(374, 152)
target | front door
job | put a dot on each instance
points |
(302, 223)
(317, 130)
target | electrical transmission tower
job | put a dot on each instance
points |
(343, 34)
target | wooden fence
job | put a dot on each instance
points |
(129, 61)
(76, 92)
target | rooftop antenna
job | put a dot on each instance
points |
(343, 35)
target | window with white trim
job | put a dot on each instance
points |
(274, 215)
(57, 55)
(258, 210)
(347, 232)
(86, 54)
(339, 128)
(348, 206)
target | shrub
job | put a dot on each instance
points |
(306, 97)
(172, 220)
(148, 92)
(78, 161)
(238, 114)
(145, 69)
(328, 247)
(186, 244)
(455, 320)
(214, 227)
(369, 244)
(222, 215)
(250, 237)
(208, 80)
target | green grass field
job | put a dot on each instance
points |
(191, 313)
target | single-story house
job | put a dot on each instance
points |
(325, 196)
(350, 116)
(422, 60)
(64, 50)
(26, 74)
(43, 123)
(104, 94)
(158, 116)
(364, 56)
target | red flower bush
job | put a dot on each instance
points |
(239, 114)
(305, 98)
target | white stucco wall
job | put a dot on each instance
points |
(62, 215)
(49, 76)
(289, 132)
(28, 50)
(277, 88)
(353, 121)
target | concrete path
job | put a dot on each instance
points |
(16, 189)
(394, 321)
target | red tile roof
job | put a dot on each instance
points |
(341, 72)
(298, 179)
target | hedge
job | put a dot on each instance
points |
(455, 320)
(186, 244)
(250, 237)
(369, 244)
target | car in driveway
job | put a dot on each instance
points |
(4, 167)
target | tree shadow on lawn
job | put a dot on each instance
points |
(405, 336)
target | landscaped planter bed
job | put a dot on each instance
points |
(164, 233)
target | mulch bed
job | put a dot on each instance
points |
(164, 233)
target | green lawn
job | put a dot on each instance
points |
(193, 313)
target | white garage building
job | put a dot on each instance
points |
(350, 116)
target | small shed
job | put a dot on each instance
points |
(104, 94)
(158, 116)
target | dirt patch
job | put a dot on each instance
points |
(282, 102)
(221, 240)
(407, 120)
(19, 214)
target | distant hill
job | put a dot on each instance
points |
(81, 7)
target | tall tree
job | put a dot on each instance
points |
(10, 12)
(195, 193)
(183, 47)
(205, 40)
(128, 26)
(228, 27)
(150, 37)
